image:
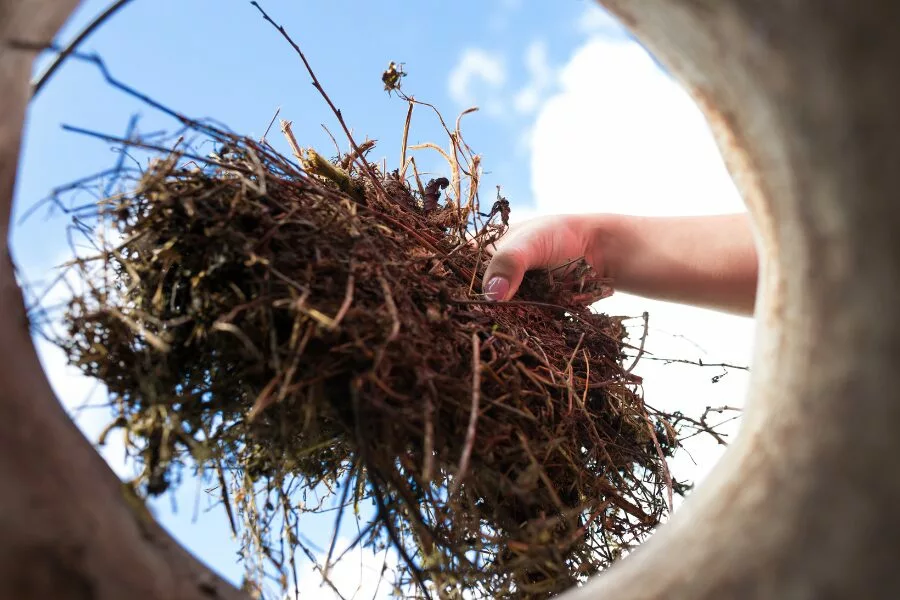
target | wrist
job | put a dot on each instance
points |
(605, 238)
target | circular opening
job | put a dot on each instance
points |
(575, 118)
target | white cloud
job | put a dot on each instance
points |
(356, 575)
(82, 398)
(541, 78)
(475, 65)
(622, 137)
(480, 78)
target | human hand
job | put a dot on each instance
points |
(543, 242)
(708, 261)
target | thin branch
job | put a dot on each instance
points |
(412, 161)
(702, 426)
(345, 305)
(391, 306)
(90, 28)
(667, 475)
(367, 168)
(473, 416)
(272, 122)
(697, 363)
(337, 147)
(55, 192)
(646, 317)
(154, 147)
(405, 142)
(123, 87)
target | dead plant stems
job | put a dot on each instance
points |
(366, 167)
(80, 37)
(461, 472)
(405, 142)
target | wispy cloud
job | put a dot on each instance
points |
(359, 574)
(541, 76)
(480, 78)
(84, 400)
(475, 66)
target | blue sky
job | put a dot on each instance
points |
(575, 117)
(218, 58)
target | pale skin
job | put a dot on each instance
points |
(708, 261)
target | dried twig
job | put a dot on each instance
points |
(262, 140)
(664, 465)
(646, 317)
(345, 305)
(405, 141)
(473, 417)
(698, 363)
(366, 168)
(291, 140)
(70, 48)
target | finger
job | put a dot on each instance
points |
(535, 244)
(526, 248)
(505, 272)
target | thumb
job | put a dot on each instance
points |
(505, 271)
(531, 245)
(543, 242)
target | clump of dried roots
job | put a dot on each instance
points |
(299, 328)
(287, 333)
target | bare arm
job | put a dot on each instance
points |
(705, 261)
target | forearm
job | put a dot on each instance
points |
(706, 261)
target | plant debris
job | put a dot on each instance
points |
(293, 327)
